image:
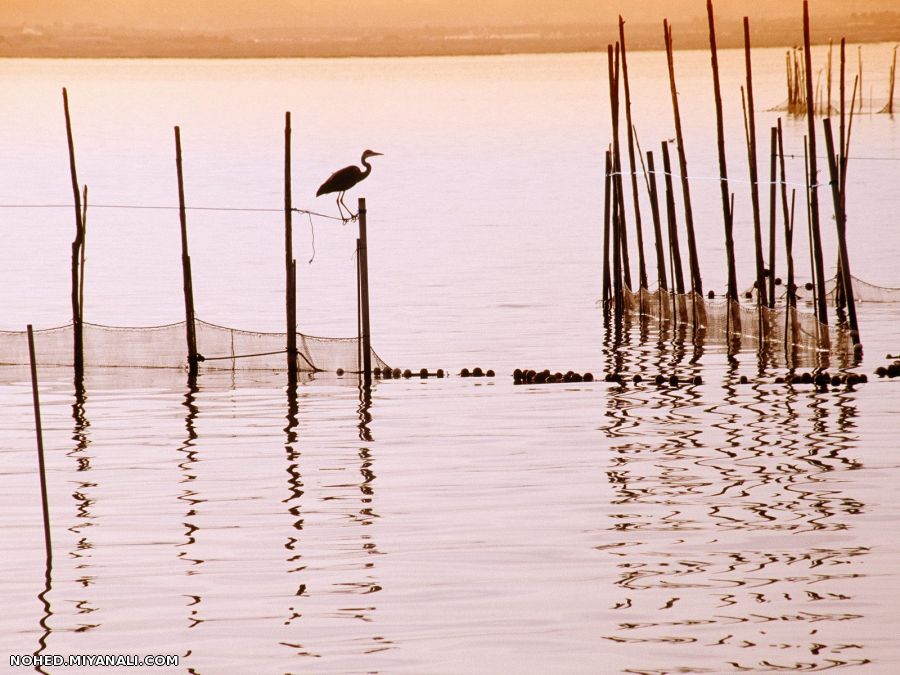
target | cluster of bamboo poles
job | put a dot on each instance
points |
(616, 267)
(824, 104)
(193, 355)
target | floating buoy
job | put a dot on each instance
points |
(822, 380)
(478, 372)
(659, 379)
(637, 378)
(744, 379)
(386, 372)
(698, 379)
(440, 372)
(490, 373)
(395, 373)
(711, 295)
(407, 373)
(423, 373)
(806, 378)
(808, 286)
(464, 372)
(835, 380)
(517, 374)
(779, 380)
(673, 381)
(778, 281)
(340, 371)
(588, 377)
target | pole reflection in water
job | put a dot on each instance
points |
(190, 497)
(84, 517)
(728, 538)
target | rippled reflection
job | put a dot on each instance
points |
(727, 534)
(190, 498)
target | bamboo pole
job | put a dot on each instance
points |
(289, 262)
(830, 47)
(619, 213)
(840, 217)
(675, 250)
(750, 130)
(84, 209)
(42, 470)
(359, 334)
(662, 281)
(732, 293)
(187, 278)
(642, 267)
(364, 292)
(694, 262)
(813, 175)
(607, 204)
(773, 211)
(78, 338)
(890, 103)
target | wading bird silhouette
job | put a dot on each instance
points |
(344, 179)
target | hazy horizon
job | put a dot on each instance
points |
(235, 16)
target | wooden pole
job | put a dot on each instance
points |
(773, 211)
(619, 213)
(364, 292)
(607, 204)
(672, 222)
(657, 225)
(813, 175)
(40, 445)
(732, 292)
(890, 103)
(78, 342)
(84, 209)
(642, 267)
(840, 217)
(830, 48)
(359, 333)
(693, 259)
(187, 279)
(289, 262)
(750, 128)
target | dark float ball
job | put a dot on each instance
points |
(407, 373)
(517, 374)
(659, 379)
(637, 378)
(386, 372)
(423, 373)
(698, 379)
(779, 380)
(863, 378)
(778, 281)
(440, 372)
(806, 378)
(490, 373)
(852, 380)
(340, 371)
(673, 381)
(744, 379)
(588, 377)
(835, 380)
(748, 295)
(711, 295)
(822, 380)
(808, 286)
(478, 372)
(464, 372)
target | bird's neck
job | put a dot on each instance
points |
(365, 163)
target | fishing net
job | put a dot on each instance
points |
(728, 322)
(862, 292)
(166, 347)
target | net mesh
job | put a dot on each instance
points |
(863, 291)
(166, 347)
(724, 322)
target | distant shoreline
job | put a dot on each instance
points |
(94, 42)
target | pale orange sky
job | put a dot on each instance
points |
(234, 15)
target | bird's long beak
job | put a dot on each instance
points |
(376, 153)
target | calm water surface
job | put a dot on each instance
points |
(438, 526)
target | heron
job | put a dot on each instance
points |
(344, 179)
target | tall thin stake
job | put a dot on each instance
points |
(694, 262)
(364, 292)
(657, 225)
(289, 262)
(607, 204)
(672, 222)
(773, 210)
(732, 293)
(78, 342)
(187, 280)
(841, 219)
(813, 175)
(750, 127)
(40, 445)
(642, 267)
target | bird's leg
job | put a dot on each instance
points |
(340, 209)
(353, 216)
